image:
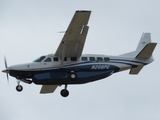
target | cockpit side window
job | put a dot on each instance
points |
(48, 60)
(39, 59)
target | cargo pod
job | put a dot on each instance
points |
(50, 77)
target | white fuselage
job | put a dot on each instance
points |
(121, 62)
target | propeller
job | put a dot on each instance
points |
(6, 71)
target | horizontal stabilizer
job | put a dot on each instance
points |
(147, 51)
(136, 70)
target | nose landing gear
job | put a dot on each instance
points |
(19, 88)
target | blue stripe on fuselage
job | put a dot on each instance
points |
(88, 64)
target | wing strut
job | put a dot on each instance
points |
(63, 54)
(80, 42)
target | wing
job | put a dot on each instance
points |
(75, 36)
(48, 88)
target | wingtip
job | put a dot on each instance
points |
(83, 11)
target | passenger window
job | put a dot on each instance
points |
(73, 59)
(99, 59)
(106, 59)
(55, 58)
(84, 58)
(92, 58)
(65, 59)
(48, 60)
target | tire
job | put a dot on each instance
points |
(19, 88)
(64, 93)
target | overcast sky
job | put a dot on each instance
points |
(29, 29)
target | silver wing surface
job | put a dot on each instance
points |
(48, 89)
(75, 36)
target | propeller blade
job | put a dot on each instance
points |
(7, 77)
(5, 62)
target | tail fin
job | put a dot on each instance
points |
(144, 51)
(145, 47)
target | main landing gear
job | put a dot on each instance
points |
(72, 76)
(65, 92)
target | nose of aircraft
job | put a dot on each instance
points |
(5, 70)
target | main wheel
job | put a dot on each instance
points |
(72, 76)
(64, 93)
(19, 88)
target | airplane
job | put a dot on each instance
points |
(69, 66)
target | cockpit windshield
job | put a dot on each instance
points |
(39, 59)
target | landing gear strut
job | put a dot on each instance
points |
(65, 92)
(19, 88)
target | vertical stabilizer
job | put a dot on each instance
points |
(143, 52)
(144, 49)
(145, 39)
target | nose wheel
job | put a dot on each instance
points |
(65, 92)
(19, 87)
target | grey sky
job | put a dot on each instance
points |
(29, 29)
